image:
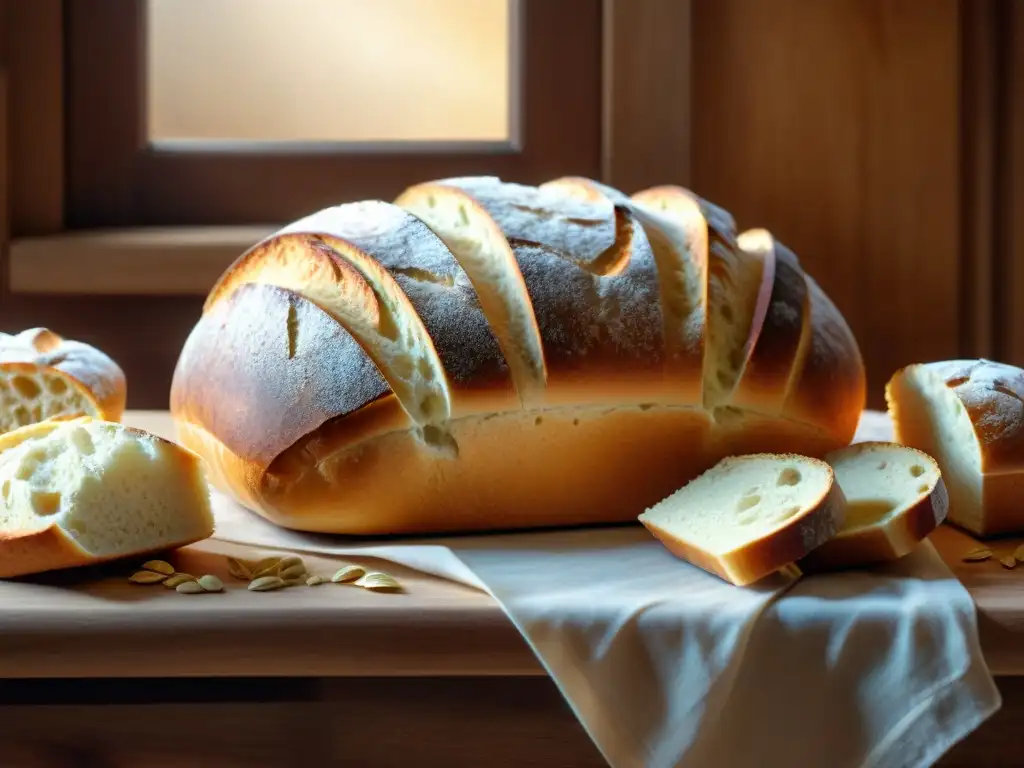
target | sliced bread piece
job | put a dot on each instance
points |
(749, 516)
(45, 376)
(83, 491)
(969, 415)
(895, 498)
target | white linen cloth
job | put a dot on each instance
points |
(667, 666)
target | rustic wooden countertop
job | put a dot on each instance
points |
(93, 623)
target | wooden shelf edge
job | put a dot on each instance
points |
(128, 262)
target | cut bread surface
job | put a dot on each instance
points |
(895, 498)
(45, 376)
(81, 491)
(749, 516)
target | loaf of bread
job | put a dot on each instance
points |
(484, 355)
(43, 376)
(749, 516)
(895, 498)
(81, 491)
(969, 415)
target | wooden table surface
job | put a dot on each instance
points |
(110, 628)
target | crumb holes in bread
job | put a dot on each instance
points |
(83, 442)
(26, 387)
(5, 491)
(57, 386)
(538, 421)
(917, 470)
(46, 503)
(786, 513)
(748, 502)
(883, 464)
(789, 476)
(575, 422)
(293, 330)
(440, 441)
(431, 201)
(463, 216)
(923, 488)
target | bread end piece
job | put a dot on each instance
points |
(43, 376)
(83, 491)
(895, 498)
(750, 516)
(969, 415)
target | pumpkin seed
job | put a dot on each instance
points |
(348, 573)
(239, 569)
(314, 580)
(211, 583)
(146, 577)
(378, 582)
(174, 580)
(977, 555)
(158, 566)
(189, 588)
(266, 583)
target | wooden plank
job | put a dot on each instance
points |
(34, 33)
(980, 97)
(835, 124)
(646, 109)
(1011, 190)
(181, 261)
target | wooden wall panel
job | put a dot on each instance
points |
(646, 73)
(835, 125)
(1011, 219)
(35, 59)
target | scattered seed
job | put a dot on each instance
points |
(265, 567)
(1018, 554)
(211, 583)
(239, 569)
(314, 580)
(289, 562)
(1008, 562)
(172, 582)
(348, 573)
(378, 581)
(158, 566)
(292, 572)
(266, 583)
(189, 588)
(146, 577)
(977, 555)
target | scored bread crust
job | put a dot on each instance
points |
(793, 540)
(992, 396)
(292, 411)
(892, 538)
(92, 379)
(50, 548)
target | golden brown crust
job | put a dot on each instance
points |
(764, 381)
(244, 379)
(830, 388)
(775, 550)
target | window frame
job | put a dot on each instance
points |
(117, 177)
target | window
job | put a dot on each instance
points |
(150, 142)
(253, 111)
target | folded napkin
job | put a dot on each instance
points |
(666, 665)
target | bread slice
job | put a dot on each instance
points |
(739, 284)
(969, 415)
(749, 516)
(895, 498)
(680, 247)
(84, 491)
(328, 258)
(45, 376)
